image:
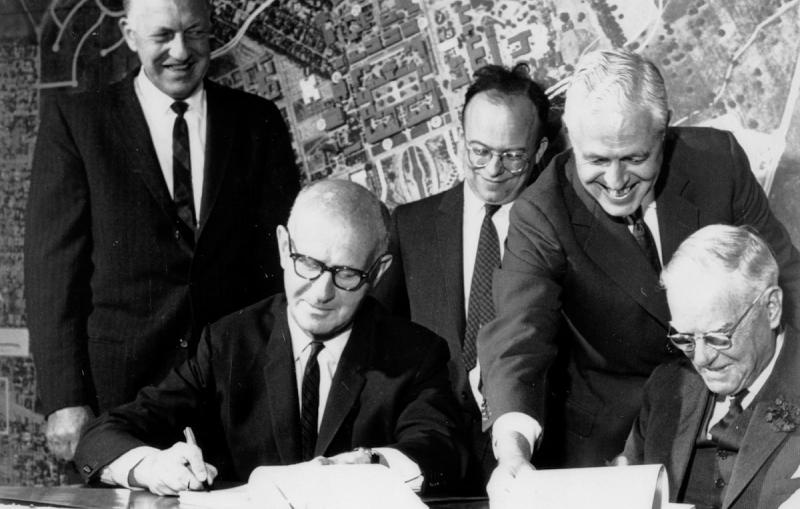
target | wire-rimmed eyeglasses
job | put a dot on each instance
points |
(718, 340)
(513, 161)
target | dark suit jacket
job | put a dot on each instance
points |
(117, 287)
(565, 259)
(426, 284)
(673, 410)
(239, 394)
(425, 281)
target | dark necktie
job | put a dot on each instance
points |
(720, 431)
(480, 309)
(310, 402)
(182, 167)
(644, 238)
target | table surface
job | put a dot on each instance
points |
(110, 498)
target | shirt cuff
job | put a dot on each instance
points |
(117, 471)
(403, 466)
(514, 434)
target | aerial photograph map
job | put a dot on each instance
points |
(372, 92)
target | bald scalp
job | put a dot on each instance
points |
(346, 203)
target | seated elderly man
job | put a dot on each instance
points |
(724, 419)
(316, 372)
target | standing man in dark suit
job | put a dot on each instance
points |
(151, 213)
(315, 372)
(724, 419)
(580, 272)
(440, 277)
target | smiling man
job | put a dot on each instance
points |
(440, 277)
(723, 420)
(305, 376)
(579, 278)
(152, 207)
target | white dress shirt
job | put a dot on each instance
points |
(160, 118)
(509, 426)
(474, 212)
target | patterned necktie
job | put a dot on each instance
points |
(644, 238)
(481, 308)
(182, 167)
(720, 431)
(310, 402)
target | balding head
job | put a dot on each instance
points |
(345, 203)
(333, 250)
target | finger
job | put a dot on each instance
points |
(212, 472)
(194, 456)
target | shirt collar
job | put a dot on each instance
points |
(156, 101)
(762, 378)
(474, 206)
(301, 341)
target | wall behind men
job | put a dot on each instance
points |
(371, 90)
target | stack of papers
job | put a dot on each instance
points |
(307, 486)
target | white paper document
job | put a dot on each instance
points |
(630, 487)
(306, 486)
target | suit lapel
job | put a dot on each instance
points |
(611, 245)
(220, 132)
(694, 401)
(761, 439)
(449, 249)
(347, 383)
(284, 407)
(141, 154)
(677, 217)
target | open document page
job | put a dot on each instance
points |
(630, 487)
(306, 486)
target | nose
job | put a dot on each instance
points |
(177, 48)
(703, 354)
(322, 289)
(615, 175)
(495, 167)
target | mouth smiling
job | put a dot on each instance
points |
(621, 194)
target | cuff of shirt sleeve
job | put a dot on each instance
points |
(117, 471)
(514, 434)
(403, 466)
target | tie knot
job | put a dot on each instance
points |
(635, 218)
(316, 346)
(179, 107)
(491, 209)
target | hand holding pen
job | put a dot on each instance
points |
(179, 468)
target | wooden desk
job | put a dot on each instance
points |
(109, 498)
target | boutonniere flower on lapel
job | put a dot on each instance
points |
(783, 415)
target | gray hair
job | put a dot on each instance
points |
(350, 203)
(616, 75)
(736, 250)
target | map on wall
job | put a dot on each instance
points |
(372, 89)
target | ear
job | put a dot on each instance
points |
(775, 306)
(383, 266)
(282, 235)
(126, 27)
(543, 144)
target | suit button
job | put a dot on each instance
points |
(719, 483)
(177, 235)
(183, 343)
(464, 395)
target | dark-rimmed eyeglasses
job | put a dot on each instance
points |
(718, 340)
(513, 161)
(344, 278)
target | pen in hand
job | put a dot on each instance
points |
(191, 440)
